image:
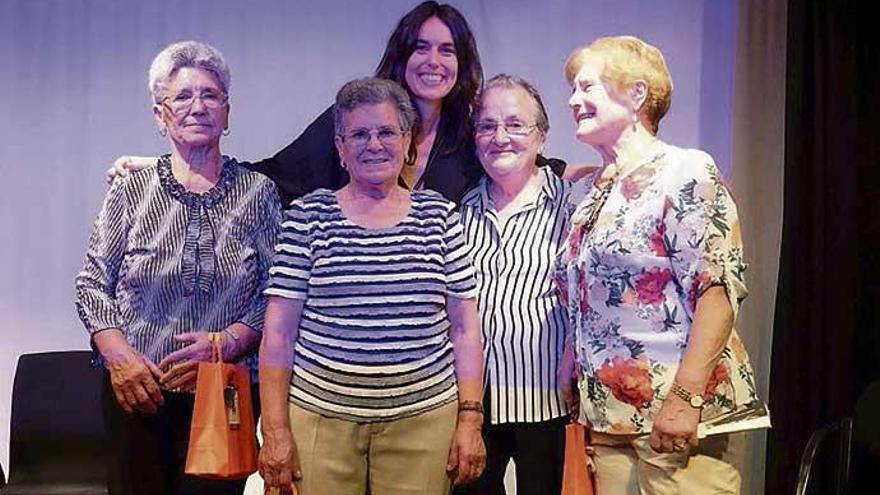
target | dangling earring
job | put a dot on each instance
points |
(342, 164)
(163, 131)
(635, 120)
(226, 131)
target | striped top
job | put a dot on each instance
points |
(523, 323)
(373, 339)
(163, 261)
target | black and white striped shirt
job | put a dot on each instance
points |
(373, 339)
(523, 323)
(163, 261)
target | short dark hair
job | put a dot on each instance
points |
(455, 122)
(373, 91)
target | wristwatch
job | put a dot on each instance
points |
(695, 400)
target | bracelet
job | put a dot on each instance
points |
(470, 405)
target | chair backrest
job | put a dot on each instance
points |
(866, 441)
(57, 431)
(829, 448)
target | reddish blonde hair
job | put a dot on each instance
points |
(628, 59)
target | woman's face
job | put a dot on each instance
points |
(194, 109)
(601, 113)
(432, 69)
(372, 146)
(508, 142)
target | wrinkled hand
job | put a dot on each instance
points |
(182, 365)
(279, 459)
(675, 426)
(467, 454)
(132, 375)
(125, 164)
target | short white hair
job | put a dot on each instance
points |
(186, 54)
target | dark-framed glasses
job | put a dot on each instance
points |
(360, 137)
(182, 102)
(513, 128)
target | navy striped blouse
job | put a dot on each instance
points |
(163, 261)
(373, 340)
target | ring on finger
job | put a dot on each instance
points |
(679, 444)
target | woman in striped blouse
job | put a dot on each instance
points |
(178, 257)
(370, 368)
(515, 219)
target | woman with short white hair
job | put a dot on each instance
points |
(177, 259)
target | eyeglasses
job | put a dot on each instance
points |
(518, 129)
(360, 137)
(182, 102)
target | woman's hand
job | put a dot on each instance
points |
(675, 426)
(279, 459)
(132, 375)
(182, 365)
(467, 454)
(125, 164)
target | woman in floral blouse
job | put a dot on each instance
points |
(652, 273)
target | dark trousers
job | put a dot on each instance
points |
(538, 451)
(148, 451)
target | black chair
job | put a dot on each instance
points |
(828, 451)
(57, 443)
(866, 442)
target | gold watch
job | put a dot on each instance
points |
(695, 400)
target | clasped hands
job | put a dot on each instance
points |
(137, 381)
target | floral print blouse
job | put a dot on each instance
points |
(667, 231)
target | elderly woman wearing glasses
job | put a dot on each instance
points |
(370, 365)
(178, 258)
(515, 219)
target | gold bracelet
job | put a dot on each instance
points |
(470, 405)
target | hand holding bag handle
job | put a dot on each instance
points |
(576, 476)
(222, 444)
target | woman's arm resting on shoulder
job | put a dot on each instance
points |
(126, 164)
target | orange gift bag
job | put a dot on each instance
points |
(221, 440)
(576, 476)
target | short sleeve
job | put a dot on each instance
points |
(292, 263)
(701, 231)
(459, 267)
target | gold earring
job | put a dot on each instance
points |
(226, 131)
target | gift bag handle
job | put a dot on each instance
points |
(216, 351)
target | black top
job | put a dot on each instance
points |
(311, 162)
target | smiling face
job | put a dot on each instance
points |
(504, 156)
(201, 123)
(602, 114)
(379, 160)
(432, 69)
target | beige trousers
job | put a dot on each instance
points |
(402, 457)
(627, 465)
